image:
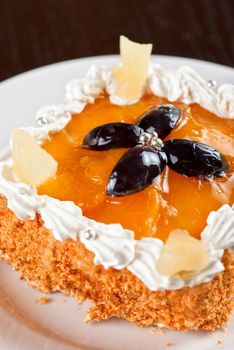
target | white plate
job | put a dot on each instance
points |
(26, 324)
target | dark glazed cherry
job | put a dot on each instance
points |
(194, 159)
(112, 135)
(137, 169)
(161, 119)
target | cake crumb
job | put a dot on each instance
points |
(87, 319)
(43, 300)
(168, 344)
(217, 340)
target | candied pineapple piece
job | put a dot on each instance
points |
(31, 163)
(132, 72)
(182, 253)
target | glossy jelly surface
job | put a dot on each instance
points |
(173, 202)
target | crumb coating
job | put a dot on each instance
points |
(68, 267)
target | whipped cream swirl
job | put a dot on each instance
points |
(186, 85)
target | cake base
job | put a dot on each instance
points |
(68, 267)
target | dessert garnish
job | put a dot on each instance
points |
(182, 253)
(32, 164)
(194, 158)
(145, 161)
(131, 74)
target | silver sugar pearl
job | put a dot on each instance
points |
(212, 84)
(145, 138)
(157, 143)
(154, 142)
(151, 139)
(41, 121)
(155, 134)
(90, 234)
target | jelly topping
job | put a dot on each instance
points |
(173, 201)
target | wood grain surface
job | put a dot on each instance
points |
(38, 32)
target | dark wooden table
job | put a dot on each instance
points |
(38, 32)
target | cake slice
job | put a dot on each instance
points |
(130, 205)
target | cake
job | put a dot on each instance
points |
(124, 194)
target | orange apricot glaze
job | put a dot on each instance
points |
(174, 201)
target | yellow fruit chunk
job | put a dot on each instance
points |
(32, 164)
(132, 72)
(182, 253)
